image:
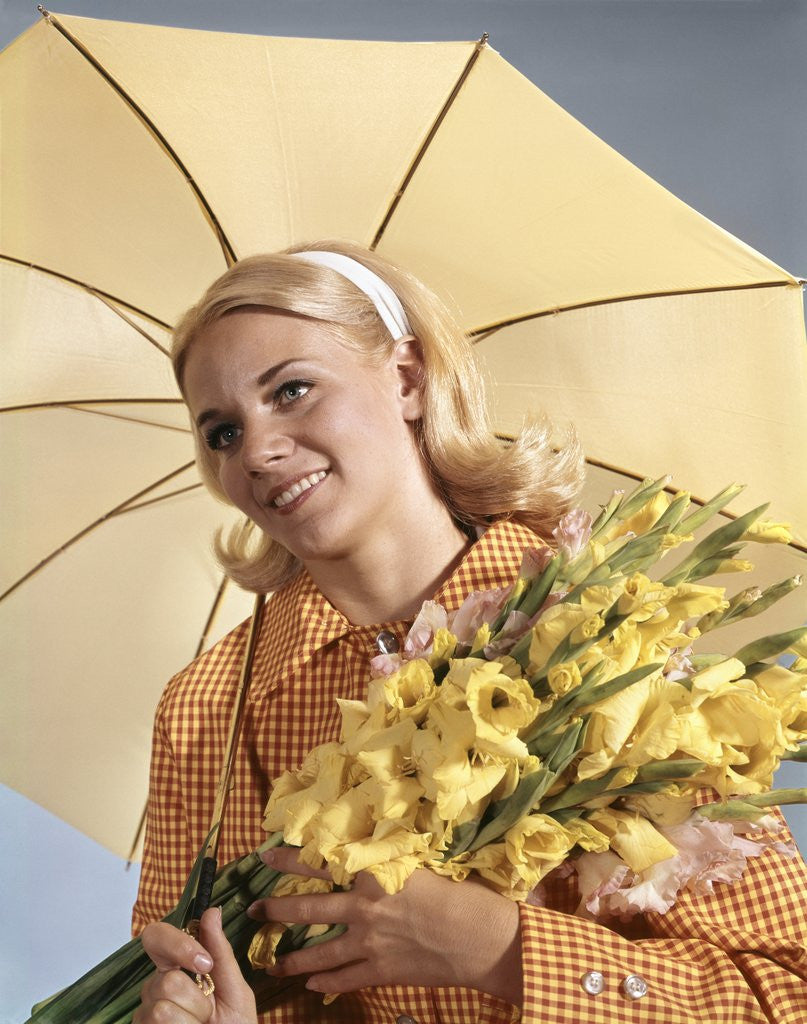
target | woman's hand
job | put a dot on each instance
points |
(435, 932)
(172, 997)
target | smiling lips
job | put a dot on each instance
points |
(297, 489)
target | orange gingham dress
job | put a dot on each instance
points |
(738, 954)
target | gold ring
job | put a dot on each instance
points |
(205, 983)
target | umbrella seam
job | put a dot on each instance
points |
(421, 153)
(478, 334)
(95, 292)
(145, 120)
(121, 507)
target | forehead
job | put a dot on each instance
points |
(243, 345)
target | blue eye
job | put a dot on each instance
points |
(292, 390)
(221, 436)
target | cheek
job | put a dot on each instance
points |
(232, 482)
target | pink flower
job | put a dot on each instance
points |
(478, 607)
(573, 532)
(708, 852)
(515, 626)
(678, 665)
(385, 664)
(431, 617)
(534, 561)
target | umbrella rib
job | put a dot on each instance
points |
(158, 499)
(199, 648)
(96, 292)
(72, 402)
(481, 333)
(145, 120)
(130, 419)
(478, 47)
(93, 526)
(128, 320)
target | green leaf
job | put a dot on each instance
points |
(769, 646)
(505, 813)
(702, 515)
(710, 545)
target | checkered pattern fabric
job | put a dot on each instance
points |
(736, 955)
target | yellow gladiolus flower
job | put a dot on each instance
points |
(642, 595)
(635, 726)
(443, 646)
(555, 624)
(586, 836)
(633, 837)
(262, 949)
(588, 629)
(441, 754)
(641, 521)
(410, 690)
(395, 798)
(390, 855)
(264, 944)
(691, 600)
(564, 677)
(765, 531)
(500, 707)
(535, 845)
(346, 820)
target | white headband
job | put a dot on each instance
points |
(377, 291)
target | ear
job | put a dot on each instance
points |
(409, 367)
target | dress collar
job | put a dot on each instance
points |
(307, 622)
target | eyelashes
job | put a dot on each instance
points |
(219, 436)
(222, 435)
(292, 391)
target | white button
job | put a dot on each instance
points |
(387, 643)
(634, 986)
(405, 1019)
(593, 982)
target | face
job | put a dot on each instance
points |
(311, 441)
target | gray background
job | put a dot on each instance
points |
(706, 96)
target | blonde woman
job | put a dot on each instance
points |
(337, 406)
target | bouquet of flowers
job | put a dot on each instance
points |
(572, 722)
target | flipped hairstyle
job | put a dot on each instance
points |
(480, 478)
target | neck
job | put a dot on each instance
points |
(390, 578)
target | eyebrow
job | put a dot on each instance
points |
(265, 378)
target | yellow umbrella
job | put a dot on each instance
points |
(140, 161)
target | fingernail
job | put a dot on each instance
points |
(268, 857)
(253, 910)
(202, 962)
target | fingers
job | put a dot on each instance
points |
(173, 996)
(169, 948)
(329, 908)
(286, 859)
(232, 991)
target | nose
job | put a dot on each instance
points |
(262, 447)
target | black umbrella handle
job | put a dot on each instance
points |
(204, 889)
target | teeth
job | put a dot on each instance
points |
(297, 488)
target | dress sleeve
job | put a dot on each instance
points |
(167, 852)
(737, 953)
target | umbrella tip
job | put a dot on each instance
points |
(45, 13)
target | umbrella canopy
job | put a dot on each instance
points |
(140, 161)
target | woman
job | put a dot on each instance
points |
(337, 406)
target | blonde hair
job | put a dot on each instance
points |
(479, 477)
